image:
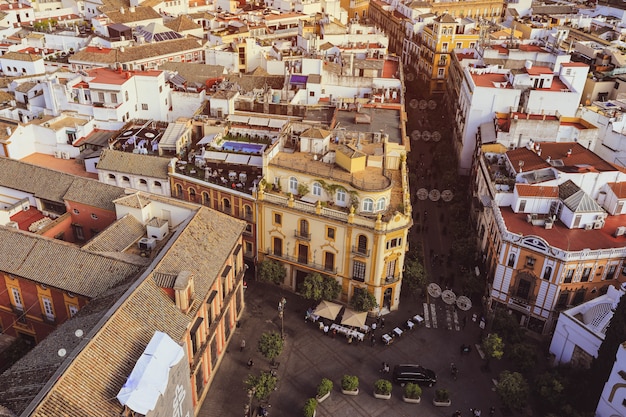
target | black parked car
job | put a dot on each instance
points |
(403, 374)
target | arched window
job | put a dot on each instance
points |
(361, 244)
(157, 184)
(293, 185)
(179, 190)
(206, 198)
(368, 205)
(125, 179)
(247, 211)
(317, 189)
(380, 204)
(112, 177)
(340, 197)
(304, 229)
(226, 205)
(192, 194)
(511, 260)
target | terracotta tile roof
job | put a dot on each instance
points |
(93, 193)
(133, 164)
(56, 186)
(182, 23)
(136, 200)
(25, 379)
(525, 190)
(118, 236)
(93, 55)
(90, 383)
(568, 239)
(580, 159)
(619, 188)
(19, 56)
(141, 13)
(59, 264)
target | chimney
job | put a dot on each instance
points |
(122, 10)
(9, 131)
(548, 159)
(569, 152)
(131, 9)
(184, 291)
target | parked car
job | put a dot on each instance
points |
(403, 374)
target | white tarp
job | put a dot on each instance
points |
(215, 156)
(256, 161)
(149, 378)
(237, 159)
(207, 139)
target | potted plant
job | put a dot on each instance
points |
(309, 407)
(382, 389)
(324, 389)
(412, 393)
(442, 398)
(350, 385)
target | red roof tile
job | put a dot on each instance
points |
(525, 190)
(619, 188)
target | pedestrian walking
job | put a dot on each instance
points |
(242, 346)
(250, 363)
(382, 322)
(492, 411)
(373, 339)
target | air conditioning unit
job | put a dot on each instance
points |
(620, 231)
(65, 155)
(147, 243)
(45, 213)
(598, 224)
(58, 154)
(549, 224)
(14, 225)
(589, 226)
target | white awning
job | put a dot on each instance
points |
(215, 156)
(277, 123)
(256, 161)
(148, 379)
(259, 121)
(238, 119)
(237, 159)
(207, 139)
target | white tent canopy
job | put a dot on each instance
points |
(148, 379)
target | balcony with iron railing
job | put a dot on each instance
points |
(303, 261)
(392, 279)
(301, 234)
(357, 250)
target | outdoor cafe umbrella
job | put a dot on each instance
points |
(354, 319)
(327, 309)
(448, 297)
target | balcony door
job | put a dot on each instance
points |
(303, 254)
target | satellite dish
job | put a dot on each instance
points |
(62, 352)
(78, 333)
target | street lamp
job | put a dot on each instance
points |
(281, 310)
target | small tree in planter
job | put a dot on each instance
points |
(271, 345)
(272, 271)
(412, 393)
(324, 389)
(442, 398)
(382, 389)
(350, 385)
(309, 407)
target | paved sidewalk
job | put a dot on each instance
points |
(309, 356)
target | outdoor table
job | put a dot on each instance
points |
(419, 320)
(365, 328)
(410, 324)
(398, 331)
(387, 339)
